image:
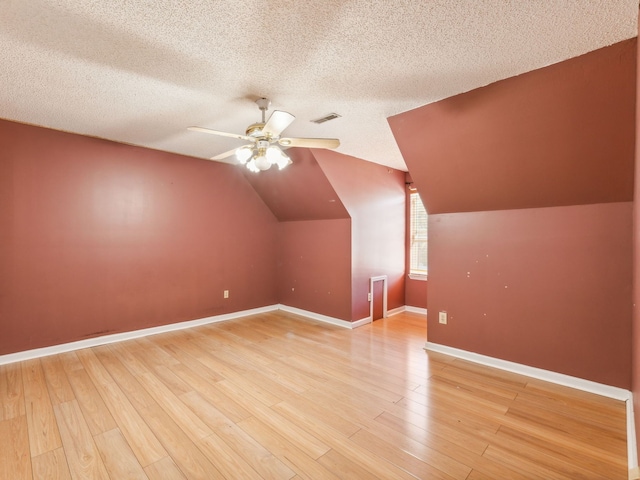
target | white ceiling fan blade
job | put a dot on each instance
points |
(310, 142)
(223, 134)
(277, 122)
(226, 155)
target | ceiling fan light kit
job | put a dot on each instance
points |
(263, 152)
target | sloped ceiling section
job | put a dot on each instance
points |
(560, 135)
(299, 192)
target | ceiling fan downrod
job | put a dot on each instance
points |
(263, 105)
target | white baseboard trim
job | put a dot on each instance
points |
(419, 310)
(361, 322)
(632, 442)
(325, 318)
(406, 308)
(119, 337)
(396, 311)
(546, 375)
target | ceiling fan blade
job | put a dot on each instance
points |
(224, 134)
(310, 142)
(277, 122)
(223, 156)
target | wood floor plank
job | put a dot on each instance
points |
(43, 430)
(297, 460)
(11, 392)
(556, 456)
(118, 457)
(186, 361)
(305, 441)
(60, 390)
(429, 447)
(433, 428)
(51, 466)
(95, 411)
(124, 352)
(227, 460)
(135, 392)
(15, 458)
(534, 470)
(150, 353)
(184, 452)
(288, 375)
(139, 436)
(70, 361)
(406, 461)
(229, 407)
(577, 429)
(82, 455)
(343, 467)
(262, 461)
(164, 469)
(95, 369)
(590, 455)
(322, 414)
(371, 462)
(172, 380)
(421, 415)
(173, 406)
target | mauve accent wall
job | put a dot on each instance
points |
(374, 196)
(314, 266)
(415, 294)
(635, 338)
(560, 135)
(545, 287)
(299, 192)
(98, 238)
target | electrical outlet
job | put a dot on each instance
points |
(225, 294)
(369, 296)
(442, 317)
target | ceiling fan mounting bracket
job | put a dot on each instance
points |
(263, 103)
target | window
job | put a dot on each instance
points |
(418, 237)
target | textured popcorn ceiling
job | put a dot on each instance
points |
(141, 71)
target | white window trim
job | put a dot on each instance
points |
(418, 276)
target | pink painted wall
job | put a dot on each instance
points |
(374, 196)
(415, 294)
(635, 337)
(314, 266)
(545, 287)
(299, 192)
(98, 238)
(485, 162)
(560, 135)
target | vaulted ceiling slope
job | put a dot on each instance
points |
(141, 72)
(560, 135)
(300, 192)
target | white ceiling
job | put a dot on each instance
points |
(141, 71)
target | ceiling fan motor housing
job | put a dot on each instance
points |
(255, 130)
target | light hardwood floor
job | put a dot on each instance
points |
(279, 396)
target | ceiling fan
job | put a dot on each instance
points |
(264, 149)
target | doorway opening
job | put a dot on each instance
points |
(378, 293)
